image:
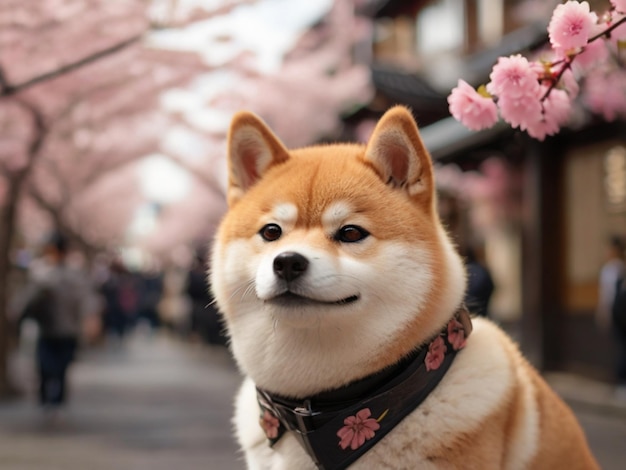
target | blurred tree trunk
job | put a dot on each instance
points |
(7, 228)
(17, 176)
(15, 180)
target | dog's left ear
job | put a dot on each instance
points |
(252, 150)
(399, 156)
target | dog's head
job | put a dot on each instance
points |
(331, 262)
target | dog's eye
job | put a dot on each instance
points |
(351, 234)
(270, 232)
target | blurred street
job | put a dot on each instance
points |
(158, 403)
(152, 403)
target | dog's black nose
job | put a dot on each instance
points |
(289, 265)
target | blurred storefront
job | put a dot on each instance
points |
(541, 211)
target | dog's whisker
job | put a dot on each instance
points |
(243, 290)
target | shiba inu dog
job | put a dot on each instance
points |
(342, 295)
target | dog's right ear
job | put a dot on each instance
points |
(252, 149)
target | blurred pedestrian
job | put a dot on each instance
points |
(57, 297)
(174, 308)
(150, 291)
(121, 299)
(611, 311)
(480, 284)
(205, 321)
(611, 273)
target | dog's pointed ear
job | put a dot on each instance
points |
(398, 155)
(252, 150)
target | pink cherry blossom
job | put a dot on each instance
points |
(569, 83)
(270, 424)
(520, 112)
(619, 33)
(456, 334)
(557, 106)
(605, 93)
(541, 128)
(357, 429)
(436, 352)
(594, 53)
(571, 25)
(472, 109)
(619, 5)
(537, 96)
(514, 76)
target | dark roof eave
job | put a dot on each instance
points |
(448, 138)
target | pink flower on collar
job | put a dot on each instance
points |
(436, 351)
(357, 429)
(456, 334)
(270, 424)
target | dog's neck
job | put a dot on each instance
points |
(328, 424)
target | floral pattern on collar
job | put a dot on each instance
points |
(362, 427)
(358, 429)
(455, 335)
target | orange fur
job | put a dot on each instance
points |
(404, 282)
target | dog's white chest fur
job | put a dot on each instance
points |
(478, 383)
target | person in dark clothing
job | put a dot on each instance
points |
(205, 319)
(611, 310)
(57, 298)
(121, 299)
(480, 284)
(150, 291)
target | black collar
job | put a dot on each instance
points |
(336, 427)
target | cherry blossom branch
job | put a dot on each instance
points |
(8, 89)
(570, 58)
(537, 97)
(608, 31)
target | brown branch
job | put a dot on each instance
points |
(8, 89)
(607, 32)
(56, 213)
(8, 217)
(4, 84)
(40, 133)
(568, 61)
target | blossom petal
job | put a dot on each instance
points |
(364, 414)
(346, 439)
(470, 108)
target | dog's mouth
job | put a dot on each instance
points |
(289, 299)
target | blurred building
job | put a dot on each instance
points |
(543, 210)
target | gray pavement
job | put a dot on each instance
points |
(601, 412)
(157, 403)
(150, 403)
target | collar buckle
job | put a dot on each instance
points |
(305, 417)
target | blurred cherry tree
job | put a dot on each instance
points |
(78, 99)
(91, 90)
